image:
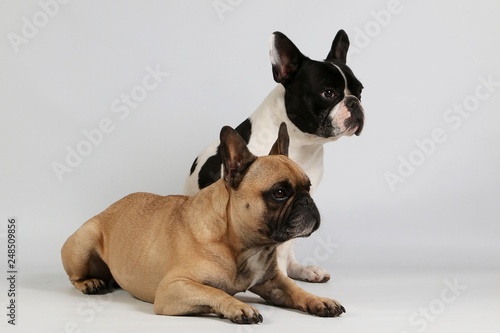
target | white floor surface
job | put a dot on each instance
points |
(388, 301)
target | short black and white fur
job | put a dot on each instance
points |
(318, 100)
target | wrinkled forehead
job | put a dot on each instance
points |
(352, 83)
(328, 74)
(321, 73)
(275, 168)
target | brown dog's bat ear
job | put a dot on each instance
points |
(236, 158)
(280, 147)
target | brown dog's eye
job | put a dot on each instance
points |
(280, 195)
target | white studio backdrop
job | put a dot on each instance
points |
(101, 99)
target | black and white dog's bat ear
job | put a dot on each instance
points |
(340, 46)
(280, 147)
(285, 57)
(236, 157)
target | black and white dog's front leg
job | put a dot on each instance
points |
(289, 264)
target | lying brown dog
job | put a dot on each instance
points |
(189, 255)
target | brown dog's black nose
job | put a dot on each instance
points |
(306, 200)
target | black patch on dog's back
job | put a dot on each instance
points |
(210, 172)
(193, 167)
(245, 130)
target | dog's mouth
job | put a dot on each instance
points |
(354, 127)
(300, 219)
(297, 230)
(352, 131)
(354, 117)
(359, 127)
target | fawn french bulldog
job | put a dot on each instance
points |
(190, 254)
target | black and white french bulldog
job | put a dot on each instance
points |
(318, 100)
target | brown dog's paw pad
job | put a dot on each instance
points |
(90, 286)
(248, 315)
(325, 307)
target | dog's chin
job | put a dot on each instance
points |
(355, 129)
(359, 128)
(352, 131)
(301, 231)
(304, 234)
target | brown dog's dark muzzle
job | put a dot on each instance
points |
(301, 219)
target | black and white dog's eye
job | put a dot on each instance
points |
(328, 94)
(280, 195)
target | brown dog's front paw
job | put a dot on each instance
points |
(245, 315)
(324, 307)
(90, 286)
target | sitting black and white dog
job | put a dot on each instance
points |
(318, 100)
